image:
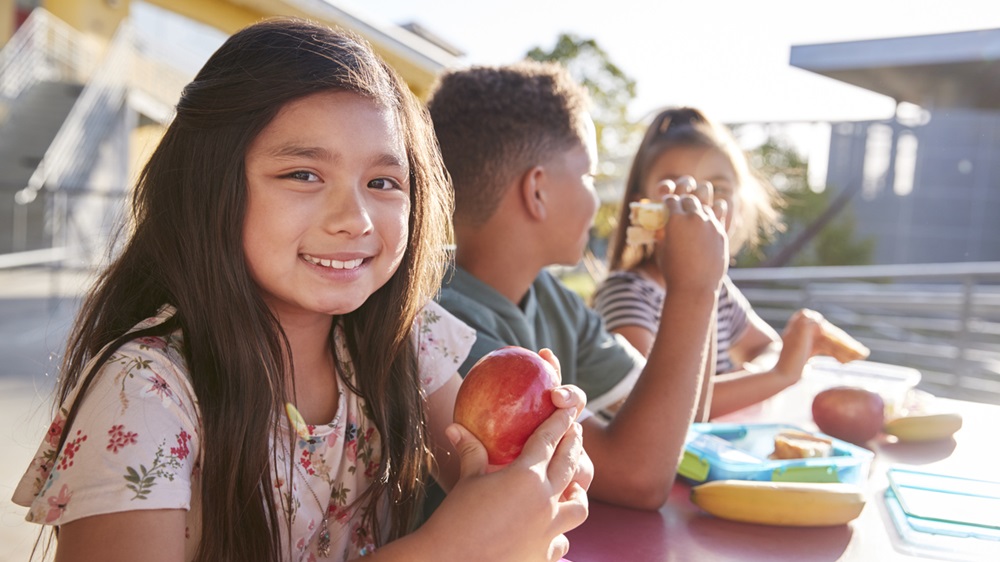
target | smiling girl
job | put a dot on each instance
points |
(260, 374)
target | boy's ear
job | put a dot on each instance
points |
(533, 193)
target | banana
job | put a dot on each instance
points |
(924, 427)
(791, 504)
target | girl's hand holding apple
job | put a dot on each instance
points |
(536, 496)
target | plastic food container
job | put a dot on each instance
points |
(891, 382)
(733, 451)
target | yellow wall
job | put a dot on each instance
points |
(99, 18)
(6, 20)
(225, 15)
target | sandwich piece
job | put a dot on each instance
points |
(792, 444)
(646, 218)
(840, 345)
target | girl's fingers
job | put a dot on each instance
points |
(569, 396)
(721, 209)
(565, 461)
(542, 444)
(558, 548)
(685, 185)
(573, 508)
(546, 354)
(705, 193)
(666, 187)
(691, 205)
(672, 203)
(471, 453)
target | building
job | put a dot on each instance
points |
(85, 94)
(926, 182)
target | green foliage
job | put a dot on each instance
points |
(611, 90)
(835, 244)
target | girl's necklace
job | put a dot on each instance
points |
(323, 545)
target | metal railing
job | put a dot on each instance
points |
(47, 48)
(44, 48)
(942, 319)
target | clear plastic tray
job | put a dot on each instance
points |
(891, 382)
(944, 516)
(733, 451)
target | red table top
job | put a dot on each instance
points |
(681, 531)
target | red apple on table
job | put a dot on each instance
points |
(504, 398)
(849, 413)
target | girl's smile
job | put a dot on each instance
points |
(332, 263)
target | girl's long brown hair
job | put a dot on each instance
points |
(186, 249)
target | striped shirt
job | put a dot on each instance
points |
(625, 298)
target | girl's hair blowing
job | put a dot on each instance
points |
(186, 249)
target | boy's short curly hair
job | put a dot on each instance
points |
(494, 123)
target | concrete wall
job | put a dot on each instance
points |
(950, 211)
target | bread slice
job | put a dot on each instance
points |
(841, 346)
(646, 218)
(792, 444)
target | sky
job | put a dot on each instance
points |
(729, 58)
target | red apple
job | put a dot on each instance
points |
(849, 413)
(504, 398)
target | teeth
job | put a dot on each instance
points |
(334, 264)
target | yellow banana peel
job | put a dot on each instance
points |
(924, 427)
(791, 504)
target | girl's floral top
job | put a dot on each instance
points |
(136, 443)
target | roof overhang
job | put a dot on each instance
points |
(933, 71)
(418, 60)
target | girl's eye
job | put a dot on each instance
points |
(302, 175)
(383, 184)
(722, 190)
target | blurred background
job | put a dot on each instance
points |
(878, 121)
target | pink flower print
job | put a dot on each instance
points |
(339, 514)
(153, 342)
(181, 451)
(301, 544)
(370, 469)
(57, 505)
(119, 438)
(70, 449)
(332, 438)
(55, 431)
(159, 387)
(306, 462)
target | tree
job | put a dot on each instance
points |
(818, 229)
(611, 91)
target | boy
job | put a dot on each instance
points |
(520, 146)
